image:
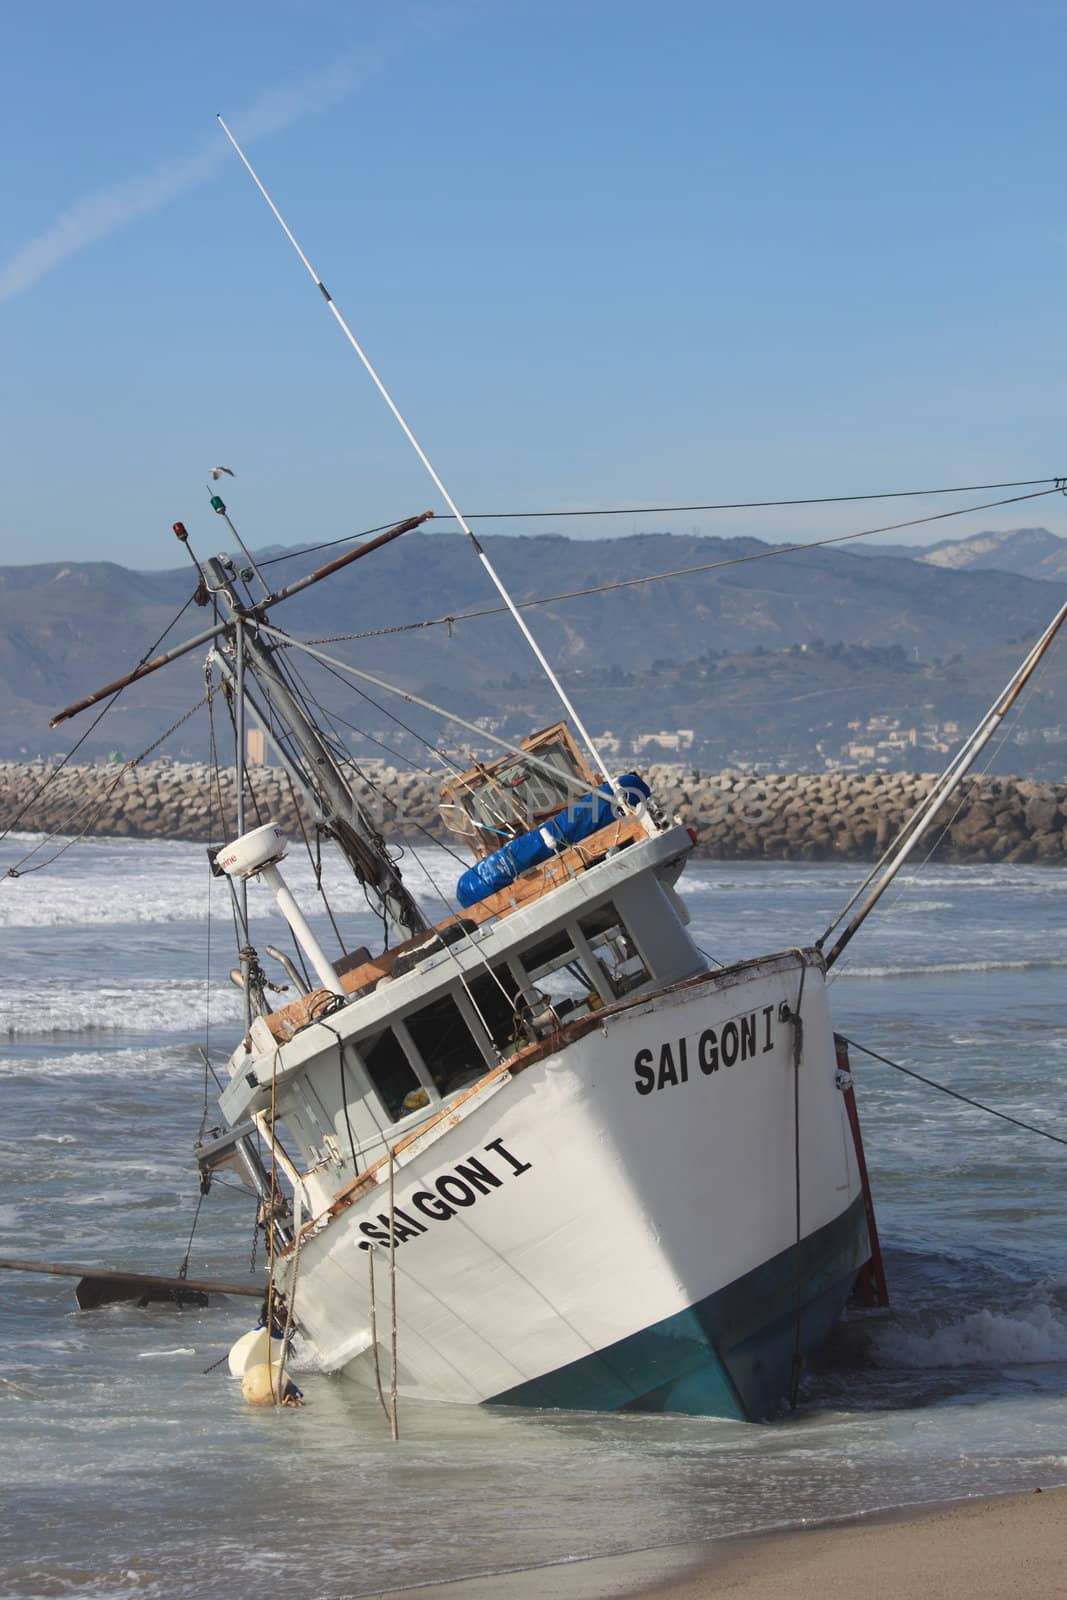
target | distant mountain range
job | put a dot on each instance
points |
(928, 630)
(1029, 552)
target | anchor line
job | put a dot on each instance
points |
(943, 1088)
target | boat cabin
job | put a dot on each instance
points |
(595, 924)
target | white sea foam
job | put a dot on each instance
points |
(172, 1006)
(49, 901)
(1017, 879)
(137, 882)
(1035, 1335)
(942, 967)
(130, 1062)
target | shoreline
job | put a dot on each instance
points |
(735, 816)
(999, 1547)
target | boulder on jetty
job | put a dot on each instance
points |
(737, 816)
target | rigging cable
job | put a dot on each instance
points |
(450, 766)
(101, 714)
(456, 913)
(346, 760)
(955, 1094)
(641, 511)
(443, 757)
(1060, 487)
(453, 911)
(239, 938)
(298, 686)
(208, 680)
(95, 805)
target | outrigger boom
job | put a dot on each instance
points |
(252, 611)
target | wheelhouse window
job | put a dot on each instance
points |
(614, 951)
(447, 1044)
(498, 1002)
(583, 966)
(394, 1078)
(443, 1039)
(558, 977)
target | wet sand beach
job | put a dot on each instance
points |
(1011, 1547)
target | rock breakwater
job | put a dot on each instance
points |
(780, 817)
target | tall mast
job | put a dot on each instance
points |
(598, 763)
(324, 782)
(240, 885)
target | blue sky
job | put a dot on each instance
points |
(604, 253)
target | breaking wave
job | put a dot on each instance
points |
(1030, 1337)
(165, 1007)
(123, 1063)
(132, 887)
(52, 901)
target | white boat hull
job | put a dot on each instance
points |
(666, 1214)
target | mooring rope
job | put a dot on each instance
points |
(374, 1333)
(955, 1094)
(798, 1052)
(290, 1299)
(393, 1422)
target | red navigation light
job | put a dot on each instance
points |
(179, 529)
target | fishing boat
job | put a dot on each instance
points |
(591, 1168)
(541, 1150)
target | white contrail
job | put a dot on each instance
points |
(96, 215)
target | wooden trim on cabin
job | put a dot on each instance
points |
(530, 887)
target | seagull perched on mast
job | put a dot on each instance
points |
(216, 472)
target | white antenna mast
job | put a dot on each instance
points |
(598, 763)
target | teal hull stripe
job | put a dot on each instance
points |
(731, 1354)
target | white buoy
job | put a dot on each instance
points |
(251, 1350)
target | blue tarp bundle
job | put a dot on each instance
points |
(581, 818)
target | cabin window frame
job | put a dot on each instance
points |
(622, 923)
(583, 954)
(483, 1047)
(371, 1092)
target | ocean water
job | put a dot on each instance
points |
(128, 1469)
